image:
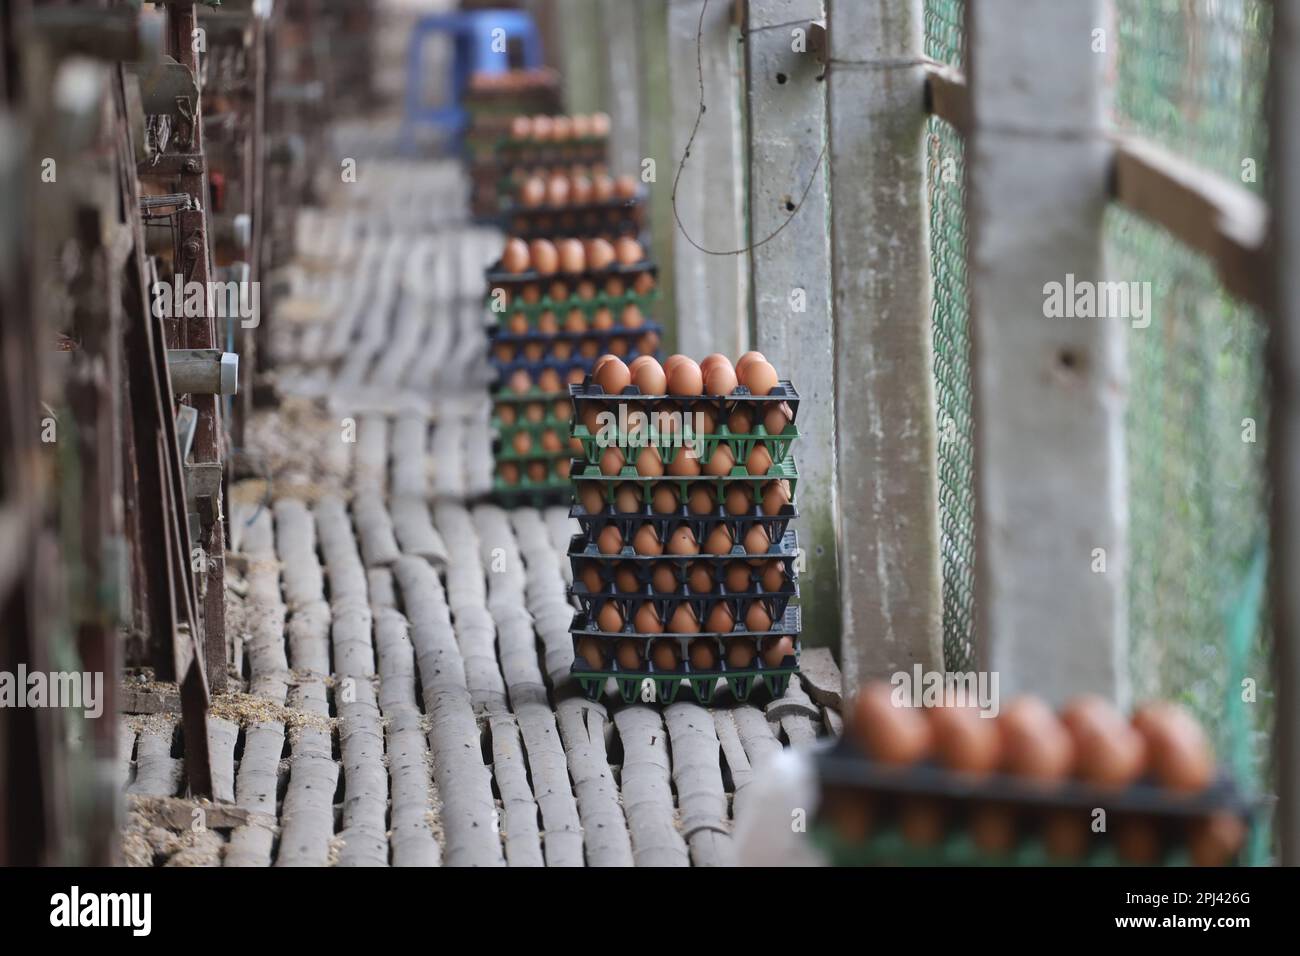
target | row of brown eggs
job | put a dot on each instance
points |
(539, 470)
(510, 412)
(686, 463)
(550, 442)
(569, 255)
(538, 79)
(701, 578)
(560, 291)
(666, 654)
(682, 541)
(563, 350)
(576, 322)
(557, 189)
(559, 129)
(682, 376)
(738, 498)
(1090, 740)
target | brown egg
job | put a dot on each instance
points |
(666, 655)
(628, 655)
(777, 649)
(721, 463)
(646, 542)
(593, 502)
(602, 320)
(507, 414)
(1065, 834)
(665, 499)
(609, 618)
(720, 619)
(602, 187)
(759, 377)
(759, 461)
(673, 361)
(521, 127)
(646, 621)
(557, 190)
(1035, 744)
(992, 827)
(562, 466)
(581, 126)
(573, 258)
(609, 541)
(682, 542)
(743, 362)
(649, 377)
(509, 472)
(1178, 752)
(628, 250)
(545, 259)
(773, 576)
(699, 578)
(891, 734)
(515, 257)
(580, 190)
(592, 651)
(611, 462)
(548, 380)
(720, 380)
(649, 464)
(1136, 840)
(532, 193)
(776, 495)
(625, 187)
(1108, 751)
(851, 814)
(600, 255)
(551, 441)
(613, 376)
(921, 820)
(965, 741)
(712, 359)
(702, 420)
(522, 442)
(534, 411)
(625, 577)
(536, 470)
(757, 619)
(599, 125)
(562, 128)
(741, 420)
(740, 652)
(591, 416)
(683, 620)
(701, 500)
(718, 541)
(684, 464)
(1216, 839)
(586, 289)
(740, 500)
(704, 654)
(543, 128)
(627, 499)
(756, 540)
(776, 418)
(736, 576)
(643, 284)
(684, 378)
(664, 578)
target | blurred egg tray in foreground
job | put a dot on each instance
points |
(925, 814)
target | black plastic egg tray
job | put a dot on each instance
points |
(651, 685)
(589, 393)
(611, 218)
(665, 603)
(531, 154)
(583, 470)
(664, 524)
(529, 493)
(670, 445)
(582, 548)
(604, 340)
(562, 307)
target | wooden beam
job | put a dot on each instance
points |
(712, 291)
(620, 41)
(657, 138)
(1218, 218)
(886, 447)
(1284, 438)
(1051, 560)
(786, 96)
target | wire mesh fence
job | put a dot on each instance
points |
(1191, 75)
(950, 315)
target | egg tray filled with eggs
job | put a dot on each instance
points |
(718, 598)
(723, 539)
(663, 663)
(697, 506)
(538, 481)
(563, 138)
(565, 350)
(574, 206)
(541, 262)
(943, 785)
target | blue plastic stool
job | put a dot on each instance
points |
(474, 34)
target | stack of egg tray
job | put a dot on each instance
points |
(648, 682)
(534, 368)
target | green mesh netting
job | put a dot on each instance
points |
(949, 314)
(1190, 74)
